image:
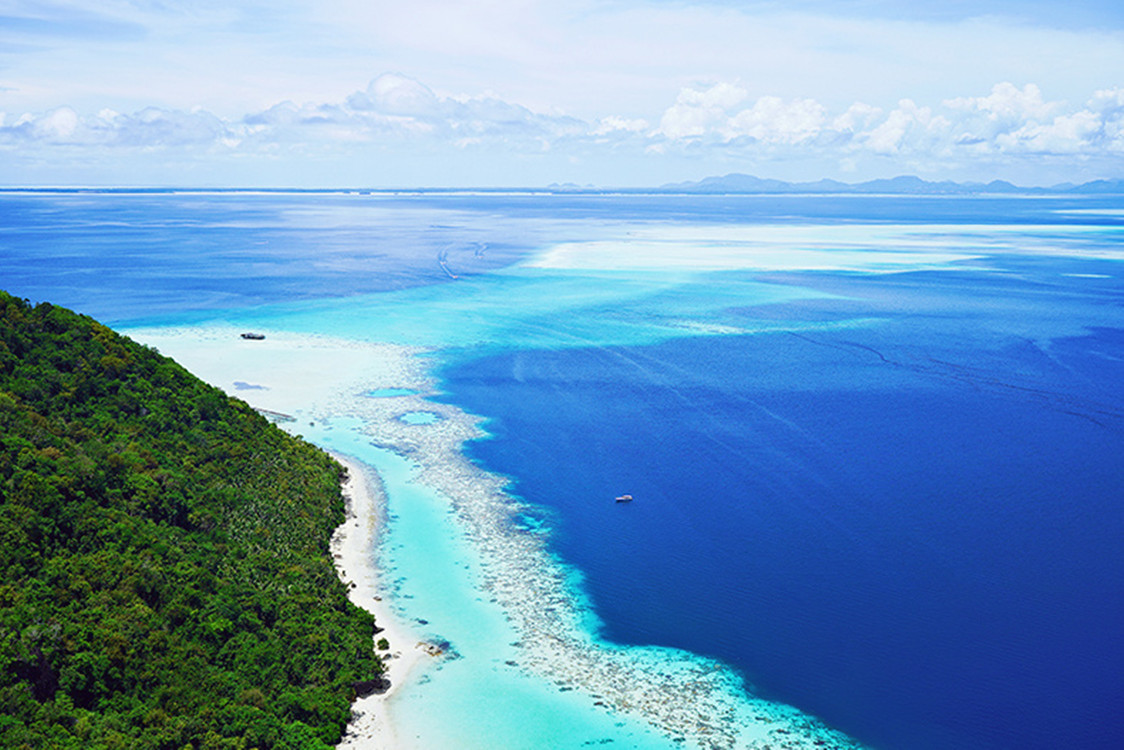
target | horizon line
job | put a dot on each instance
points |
(733, 183)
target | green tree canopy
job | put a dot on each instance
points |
(167, 581)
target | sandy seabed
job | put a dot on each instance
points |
(299, 379)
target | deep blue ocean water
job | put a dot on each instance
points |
(896, 502)
(918, 542)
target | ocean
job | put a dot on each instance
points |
(875, 443)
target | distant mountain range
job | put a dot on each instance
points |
(905, 185)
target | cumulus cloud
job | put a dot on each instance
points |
(986, 122)
(614, 123)
(857, 118)
(1006, 103)
(162, 127)
(909, 128)
(395, 94)
(772, 120)
(1066, 134)
(396, 106)
(717, 113)
(1108, 105)
(1008, 121)
(1006, 125)
(1014, 121)
(696, 113)
(152, 126)
(391, 108)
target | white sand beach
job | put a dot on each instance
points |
(353, 549)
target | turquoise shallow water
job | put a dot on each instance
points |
(529, 309)
(474, 699)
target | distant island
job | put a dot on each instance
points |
(904, 185)
(167, 580)
(730, 184)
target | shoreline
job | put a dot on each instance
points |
(353, 549)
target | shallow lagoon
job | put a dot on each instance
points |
(880, 479)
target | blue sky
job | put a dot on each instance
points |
(531, 92)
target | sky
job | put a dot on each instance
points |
(528, 93)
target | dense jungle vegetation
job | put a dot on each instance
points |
(167, 581)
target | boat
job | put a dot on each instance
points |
(624, 498)
(253, 336)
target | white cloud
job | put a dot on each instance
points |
(617, 125)
(1020, 122)
(986, 122)
(1005, 128)
(395, 94)
(714, 113)
(771, 120)
(1109, 107)
(393, 107)
(160, 127)
(149, 127)
(1007, 123)
(697, 112)
(1007, 103)
(908, 128)
(1067, 134)
(858, 117)
(57, 126)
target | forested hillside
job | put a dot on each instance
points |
(166, 579)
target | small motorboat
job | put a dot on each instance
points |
(624, 498)
(250, 335)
